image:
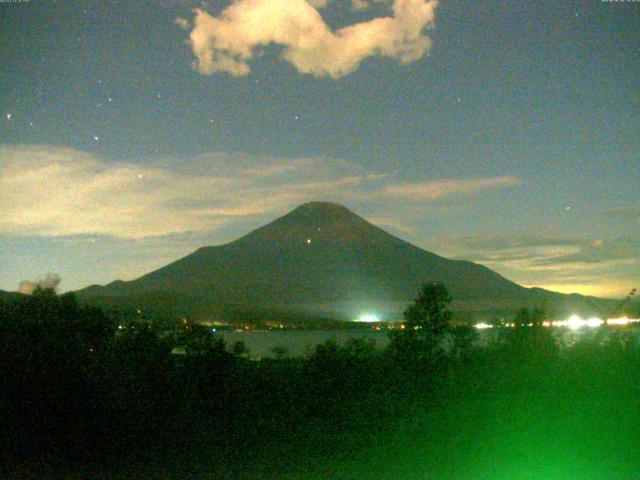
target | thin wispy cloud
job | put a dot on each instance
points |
(436, 189)
(510, 242)
(83, 194)
(598, 252)
(539, 251)
(576, 264)
(386, 222)
(79, 193)
(269, 170)
(229, 41)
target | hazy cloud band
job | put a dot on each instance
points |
(79, 193)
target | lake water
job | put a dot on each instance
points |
(301, 342)
(296, 342)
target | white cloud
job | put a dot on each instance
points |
(60, 191)
(437, 189)
(228, 42)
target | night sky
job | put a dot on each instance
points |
(503, 132)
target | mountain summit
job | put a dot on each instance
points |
(320, 258)
(316, 223)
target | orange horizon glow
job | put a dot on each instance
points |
(614, 291)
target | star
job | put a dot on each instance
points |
(110, 99)
(9, 116)
(96, 138)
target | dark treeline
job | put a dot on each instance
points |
(79, 393)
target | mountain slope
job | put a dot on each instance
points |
(319, 258)
(9, 297)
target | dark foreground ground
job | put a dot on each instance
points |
(88, 403)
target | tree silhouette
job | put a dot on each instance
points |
(430, 312)
(239, 348)
(427, 322)
(279, 352)
(464, 338)
(537, 317)
(522, 318)
(625, 307)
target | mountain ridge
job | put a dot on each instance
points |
(319, 257)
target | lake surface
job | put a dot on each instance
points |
(296, 342)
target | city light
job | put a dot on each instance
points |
(622, 321)
(594, 322)
(368, 318)
(574, 322)
(482, 326)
